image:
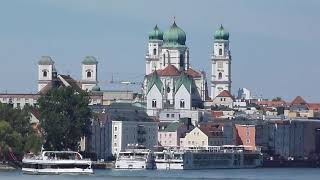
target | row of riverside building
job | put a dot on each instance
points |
(175, 108)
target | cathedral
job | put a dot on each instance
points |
(170, 81)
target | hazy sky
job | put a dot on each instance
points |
(274, 44)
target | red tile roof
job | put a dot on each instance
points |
(193, 73)
(170, 70)
(298, 101)
(225, 93)
(211, 129)
(216, 114)
(314, 106)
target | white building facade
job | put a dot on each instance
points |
(125, 133)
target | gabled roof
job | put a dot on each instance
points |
(225, 93)
(298, 101)
(172, 127)
(154, 80)
(193, 73)
(170, 70)
(61, 80)
(184, 80)
(314, 106)
(211, 131)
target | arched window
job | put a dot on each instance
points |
(89, 74)
(45, 73)
(154, 103)
(182, 103)
(154, 51)
(181, 60)
(220, 75)
(220, 52)
(164, 59)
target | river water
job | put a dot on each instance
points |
(216, 174)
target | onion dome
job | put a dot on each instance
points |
(90, 60)
(221, 34)
(95, 88)
(175, 36)
(45, 60)
(156, 34)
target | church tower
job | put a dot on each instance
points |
(154, 50)
(89, 73)
(174, 49)
(221, 63)
(46, 71)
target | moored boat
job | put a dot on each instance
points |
(137, 157)
(56, 162)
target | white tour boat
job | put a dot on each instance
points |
(135, 157)
(56, 162)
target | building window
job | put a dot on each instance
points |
(89, 74)
(181, 60)
(172, 115)
(168, 89)
(154, 51)
(154, 103)
(247, 141)
(45, 73)
(182, 103)
(220, 52)
(115, 128)
(164, 59)
(115, 136)
(220, 75)
(220, 64)
(168, 115)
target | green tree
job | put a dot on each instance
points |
(65, 118)
(277, 99)
(16, 132)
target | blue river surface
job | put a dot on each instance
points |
(214, 174)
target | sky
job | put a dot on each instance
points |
(274, 44)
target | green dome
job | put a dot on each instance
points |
(221, 34)
(90, 60)
(175, 36)
(96, 88)
(156, 34)
(45, 60)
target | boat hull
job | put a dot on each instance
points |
(56, 171)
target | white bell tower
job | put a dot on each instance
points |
(89, 73)
(221, 63)
(154, 49)
(45, 71)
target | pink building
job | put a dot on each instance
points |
(170, 135)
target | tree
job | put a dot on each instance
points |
(16, 132)
(277, 99)
(64, 117)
